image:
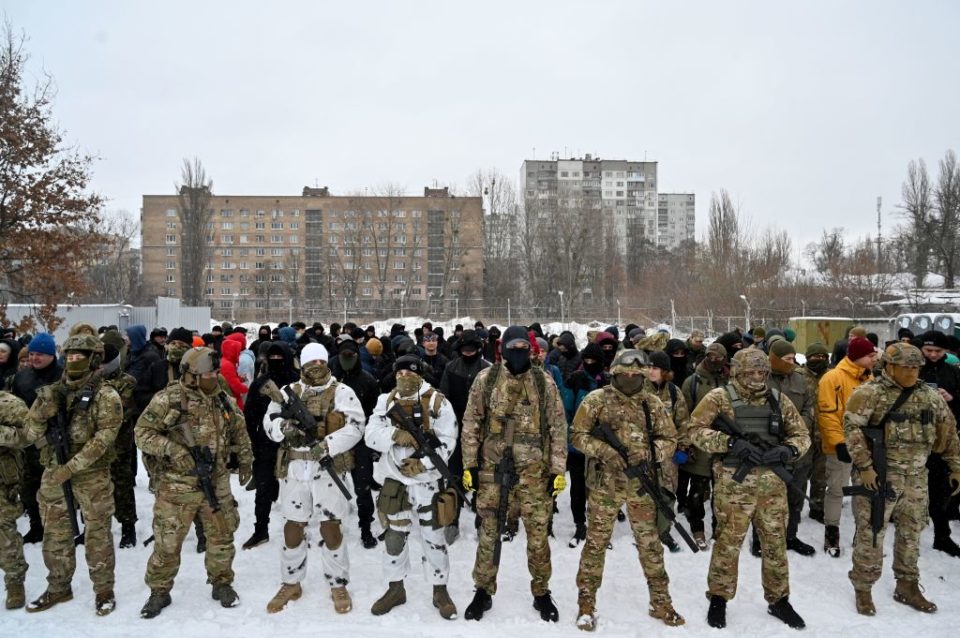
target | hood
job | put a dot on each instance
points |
(263, 332)
(13, 362)
(239, 338)
(230, 350)
(288, 335)
(567, 339)
(138, 337)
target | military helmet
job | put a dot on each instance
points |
(749, 360)
(83, 342)
(199, 360)
(902, 354)
(629, 360)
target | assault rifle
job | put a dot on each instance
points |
(204, 464)
(293, 409)
(642, 471)
(57, 437)
(505, 475)
(878, 452)
(427, 444)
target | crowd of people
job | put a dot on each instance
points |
(419, 430)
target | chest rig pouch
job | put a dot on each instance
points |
(758, 422)
(320, 405)
(908, 423)
(508, 401)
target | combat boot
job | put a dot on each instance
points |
(816, 514)
(35, 533)
(367, 539)
(201, 536)
(701, 540)
(259, 537)
(481, 603)
(586, 618)
(865, 606)
(128, 535)
(670, 543)
(155, 604)
(105, 603)
(547, 608)
(796, 545)
(395, 596)
(946, 545)
(48, 599)
(908, 593)
(579, 535)
(783, 610)
(286, 594)
(717, 614)
(226, 594)
(341, 600)
(442, 601)
(831, 540)
(664, 611)
(16, 596)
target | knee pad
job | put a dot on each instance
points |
(331, 533)
(293, 534)
(394, 541)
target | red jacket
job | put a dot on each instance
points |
(230, 349)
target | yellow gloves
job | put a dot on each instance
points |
(559, 484)
(469, 480)
(869, 478)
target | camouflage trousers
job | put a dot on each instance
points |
(122, 471)
(12, 562)
(603, 505)
(908, 513)
(93, 495)
(530, 501)
(818, 475)
(762, 500)
(176, 506)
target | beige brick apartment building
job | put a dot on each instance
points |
(317, 254)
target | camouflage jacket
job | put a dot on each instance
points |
(213, 421)
(13, 413)
(922, 425)
(718, 401)
(795, 387)
(91, 432)
(626, 417)
(124, 384)
(538, 448)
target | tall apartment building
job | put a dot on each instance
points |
(624, 192)
(318, 252)
(676, 219)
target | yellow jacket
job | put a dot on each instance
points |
(834, 389)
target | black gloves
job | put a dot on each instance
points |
(842, 454)
(777, 455)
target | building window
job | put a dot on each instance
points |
(226, 239)
(293, 239)
(295, 212)
(243, 239)
(366, 292)
(398, 265)
(171, 225)
(259, 265)
(276, 239)
(171, 265)
(259, 239)
(276, 225)
(294, 225)
(171, 239)
(276, 278)
(226, 252)
(171, 279)
(243, 265)
(226, 213)
(226, 225)
(171, 212)
(260, 213)
(260, 252)
(171, 252)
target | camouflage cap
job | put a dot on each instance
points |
(749, 360)
(82, 328)
(83, 342)
(717, 349)
(629, 361)
(903, 354)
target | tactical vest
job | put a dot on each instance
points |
(534, 435)
(755, 420)
(179, 413)
(81, 426)
(423, 411)
(320, 406)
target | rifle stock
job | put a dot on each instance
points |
(58, 438)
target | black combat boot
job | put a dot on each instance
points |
(481, 602)
(796, 545)
(155, 604)
(545, 605)
(783, 610)
(831, 540)
(946, 545)
(717, 614)
(367, 538)
(259, 537)
(201, 536)
(128, 535)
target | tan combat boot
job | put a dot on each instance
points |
(48, 599)
(341, 600)
(664, 611)
(586, 618)
(16, 597)
(908, 593)
(441, 600)
(865, 606)
(286, 594)
(395, 596)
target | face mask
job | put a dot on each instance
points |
(780, 366)
(629, 384)
(714, 365)
(175, 352)
(76, 369)
(817, 365)
(608, 356)
(315, 373)
(752, 384)
(209, 385)
(593, 368)
(904, 376)
(517, 360)
(276, 366)
(407, 384)
(568, 353)
(348, 362)
(471, 356)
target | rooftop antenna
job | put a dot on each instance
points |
(879, 251)
(534, 152)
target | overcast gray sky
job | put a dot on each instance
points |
(804, 111)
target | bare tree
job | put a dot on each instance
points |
(293, 277)
(945, 221)
(115, 274)
(196, 229)
(501, 241)
(917, 206)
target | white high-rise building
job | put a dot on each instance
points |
(676, 219)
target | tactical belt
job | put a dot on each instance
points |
(300, 455)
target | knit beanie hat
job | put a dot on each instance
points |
(859, 347)
(781, 348)
(43, 343)
(816, 348)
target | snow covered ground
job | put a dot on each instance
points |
(821, 592)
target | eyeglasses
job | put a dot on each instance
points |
(430, 338)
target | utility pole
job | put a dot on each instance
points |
(879, 251)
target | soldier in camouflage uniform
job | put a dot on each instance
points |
(193, 413)
(512, 397)
(306, 489)
(13, 413)
(642, 423)
(411, 484)
(762, 496)
(920, 425)
(818, 360)
(92, 413)
(123, 468)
